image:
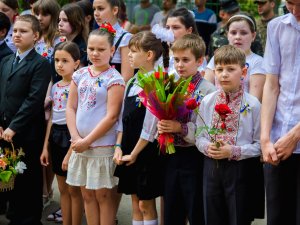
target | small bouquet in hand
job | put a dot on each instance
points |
(164, 98)
(219, 127)
(10, 166)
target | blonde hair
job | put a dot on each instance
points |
(190, 41)
(229, 54)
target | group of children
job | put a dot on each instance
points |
(102, 141)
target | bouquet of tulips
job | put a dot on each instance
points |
(165, 98)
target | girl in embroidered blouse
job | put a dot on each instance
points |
(73, 27)
(66, 57)
(183, 181)
(241, 32)
(233, 174)
(10, 9)
(93, 108)
(139, 164)
(107, 11)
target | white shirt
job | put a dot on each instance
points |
(282, 59)
(248, 135)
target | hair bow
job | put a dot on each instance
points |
(162, 33)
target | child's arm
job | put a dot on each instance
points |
(210, 75)
(118, 149)
(71, 109)
(256, 85)
(44, 158)
(140, 145)
(65, 162)
(114, 103)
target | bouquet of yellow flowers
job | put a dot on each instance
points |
(10, 166)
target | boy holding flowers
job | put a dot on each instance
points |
(233, 177)
(183, 182)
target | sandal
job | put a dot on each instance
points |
(55, 215)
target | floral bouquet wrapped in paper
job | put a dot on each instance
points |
(164, 98)
(10, 166)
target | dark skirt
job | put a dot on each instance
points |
(59, 144)
(143, 178)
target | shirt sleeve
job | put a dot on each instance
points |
(256, 67)
(125, 40)
(271, 61)
(115, 80)
(149, 130)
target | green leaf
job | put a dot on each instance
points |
(5, 176)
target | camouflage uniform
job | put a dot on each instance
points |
(262, 30)
(219, 38)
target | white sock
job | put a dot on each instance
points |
(151, 222)
(137, 222)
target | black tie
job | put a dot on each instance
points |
(16, 62)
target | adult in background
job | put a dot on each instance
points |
(280, 116)
(204, 14)
(161, 16)
(219, 37)
(265, 10)
(142, 16)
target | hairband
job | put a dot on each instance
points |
(108, 28)
(162, 33)
(243, 16)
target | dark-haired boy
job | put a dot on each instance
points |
(24, 79)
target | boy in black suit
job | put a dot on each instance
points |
(24, 79)
(4, 28)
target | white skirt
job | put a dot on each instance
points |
(93, 169)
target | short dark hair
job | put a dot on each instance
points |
(35, 24)
(69, 47)
(228, 54)
(4, 22)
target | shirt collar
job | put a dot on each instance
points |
(290, 19)
(24, 54)
(1, 42)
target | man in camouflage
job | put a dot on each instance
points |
(265, 9)
(219, 37)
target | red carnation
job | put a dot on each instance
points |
(191, 104)
(191, 87)
(223, 110)
(45, 54)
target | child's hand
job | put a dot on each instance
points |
(118, 156)
(8, 134)
(222, 152)
(130, 159)
(80, 145)
(44, 158)
(168, 126)
(65, 162)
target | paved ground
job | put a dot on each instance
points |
(124, 214)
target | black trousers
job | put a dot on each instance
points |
(229, 190)
(25, 200)
(283, 192)
(183, 187)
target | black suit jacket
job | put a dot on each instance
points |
(4, 50)
(22, 95)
